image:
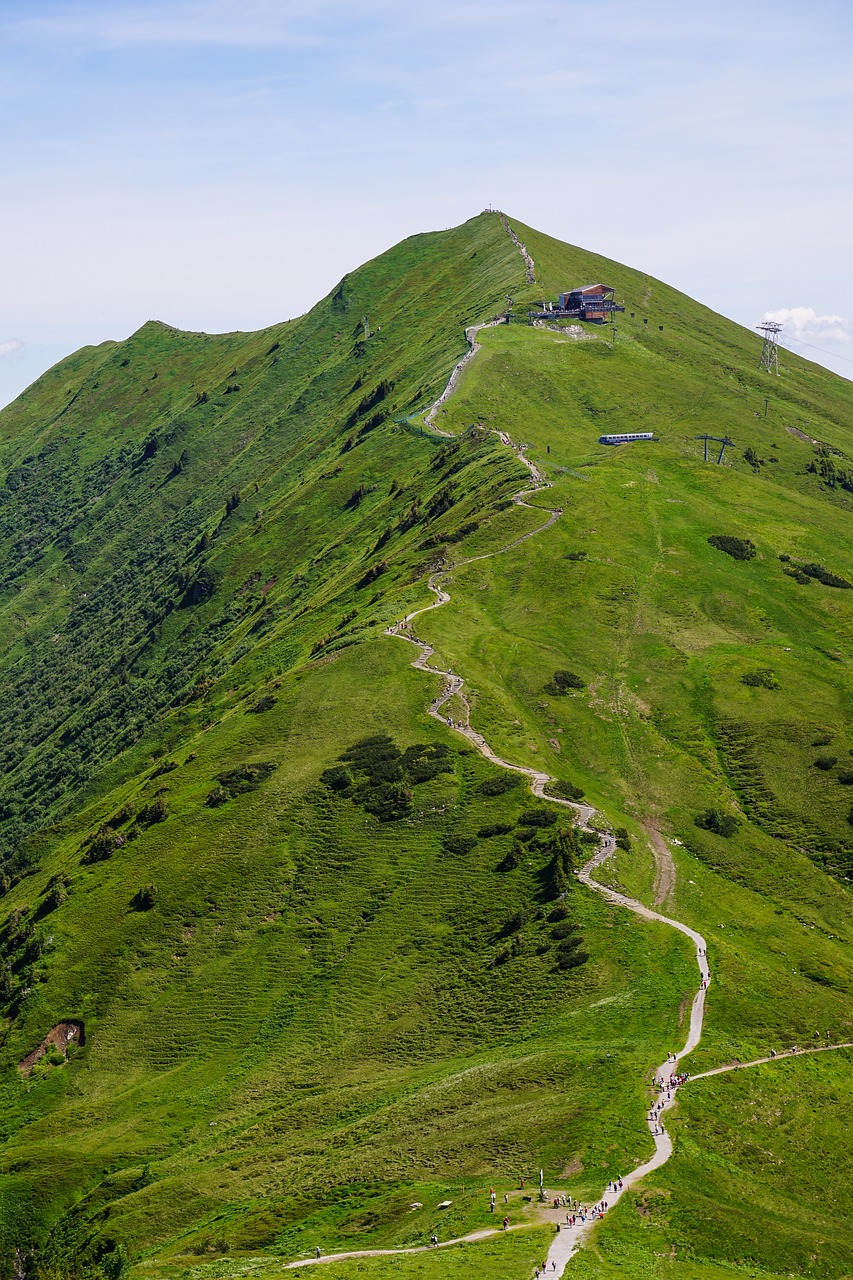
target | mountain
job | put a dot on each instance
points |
(288, 961)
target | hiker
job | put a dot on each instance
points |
(506, 1223)
(434, 1241)
(318, 1251)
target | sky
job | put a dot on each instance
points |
(220, 164)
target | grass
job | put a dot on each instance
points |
(316, 1025)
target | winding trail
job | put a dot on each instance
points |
(567, 1238)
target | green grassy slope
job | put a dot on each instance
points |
(300, 1019)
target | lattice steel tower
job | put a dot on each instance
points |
(770, 351)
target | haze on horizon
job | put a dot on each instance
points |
(220, 165)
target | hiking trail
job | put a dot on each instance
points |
(567, 1239)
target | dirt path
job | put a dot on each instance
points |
(529, 264)
(473, 348)
(794, 1052)
(664, 865)
(568, 1238)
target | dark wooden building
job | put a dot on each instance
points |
(590, 301)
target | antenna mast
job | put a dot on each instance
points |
(770, 351)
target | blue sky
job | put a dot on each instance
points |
(220, 164)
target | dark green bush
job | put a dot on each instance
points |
(562, 681)
(763, 678)
(266, 702)
(103, 845)
(145, 898)
(537, 818)
(563, 789)
(823, 575)
(338, 778)
(737, 548)
(570, 954)
(845, 778)
(495, 829)
(459, 845)
(722, 824)
(513, 858)
(826, 762)
(501, 783)
(156, 811)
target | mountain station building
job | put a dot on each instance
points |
(592, 302)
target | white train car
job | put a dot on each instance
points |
(627, 438)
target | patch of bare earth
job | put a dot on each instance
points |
(664, 865)
(573, 1167)
(60, 1037)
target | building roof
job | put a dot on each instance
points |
(585, 288)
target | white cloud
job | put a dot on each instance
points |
(10, 346)
(805, 323)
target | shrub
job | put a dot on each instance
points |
(501, 783)
(356, 498)
(246, 776)
(372, 574)
(513, 858)
(560, 912)
(737, 548)
(763, 678)
(824, 576)
(563, 929)
(145, 898)
(103, 845)
(459, 845)
(565, 790)
(157, 811)
(722, 824)
(537, 818)
(623, 838)
(826, 763)
(513, 924)
(55, 896)
(338, 778)
(562, 681)
(217, 796)
(570, 954)
(496, 829)
(265, 703)
(846, 779)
